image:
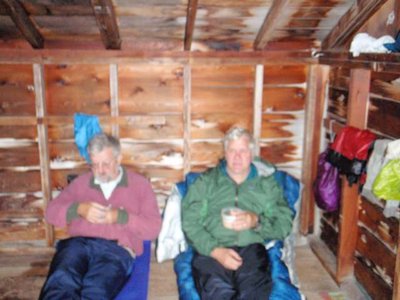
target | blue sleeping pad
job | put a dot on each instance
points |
(282, 288)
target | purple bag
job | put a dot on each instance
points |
(327, 188)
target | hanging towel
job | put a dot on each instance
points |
(85, 127)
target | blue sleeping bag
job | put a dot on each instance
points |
(282, 288)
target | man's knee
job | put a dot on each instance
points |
(61, 284)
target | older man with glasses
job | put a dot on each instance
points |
(108, 212)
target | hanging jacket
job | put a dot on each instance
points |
(349, 152)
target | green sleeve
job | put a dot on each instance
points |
(194, 209)
(276, 219)
(72, 212)
(123, 216)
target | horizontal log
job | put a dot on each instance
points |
(374, 61)
(283, 151)
(285, 74)
(339, 78)
(282, 125)
(20, 182)
(222, 76)
(206, 154)
(155, 154)
(222, 100)
(283, 99)
(16, 90)
(22, 230)
(372, 283)
(77, 88)
(338, 100)
(144, 127)
(21, 205)
(330, 237)
(389, 90)
(61, 56)
(383, 117)
(27, 156)
(215, 125)
(373, 250)
(59, 177)
(387, 229)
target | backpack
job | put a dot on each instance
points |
(350, 151)
(326, 186)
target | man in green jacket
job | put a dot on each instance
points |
(230, 259)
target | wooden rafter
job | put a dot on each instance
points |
(107, 23)
(267, 28)
(190, 20)
(24, 23)
(349, 23)
(51, 56)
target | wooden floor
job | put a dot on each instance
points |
(22, 276)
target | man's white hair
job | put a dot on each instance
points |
(236, 133)
(101, 141)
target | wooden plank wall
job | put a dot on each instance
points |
(376, 246)
(362, 241)
(170, 118)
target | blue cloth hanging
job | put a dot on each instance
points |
(85, 127)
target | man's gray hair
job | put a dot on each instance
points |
(101, 141)
(236, 133)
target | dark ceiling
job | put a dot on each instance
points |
(180, 25)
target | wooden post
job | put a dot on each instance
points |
(315, 103)
(40, 100)
(257, 106)
(396, 281)
(114, 99)
(187, 120)
(357, 114)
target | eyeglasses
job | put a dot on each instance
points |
(102, 165)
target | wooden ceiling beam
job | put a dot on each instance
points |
(351, 22)
(24, 23)
(269, 24)
(190, 20)
(107, 23)
(66, 56)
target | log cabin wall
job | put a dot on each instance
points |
(170, 118)
(375, 236)
(364, 92)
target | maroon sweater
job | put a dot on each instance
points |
(132, 194)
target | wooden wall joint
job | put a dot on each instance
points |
(44, 157)
(258, 97)
(357, 114)
(317, 83)
(187, 91)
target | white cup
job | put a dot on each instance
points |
(228, 215)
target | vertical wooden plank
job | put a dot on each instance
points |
(396, 281)
(114, 98)
(348, 230)
(258, 96)
(40, 103)
(187, 120)
(317, 82)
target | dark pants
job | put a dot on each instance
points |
(251, 281)
(87, 268)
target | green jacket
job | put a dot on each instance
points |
(214, 190)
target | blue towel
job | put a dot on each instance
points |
(85, 127)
